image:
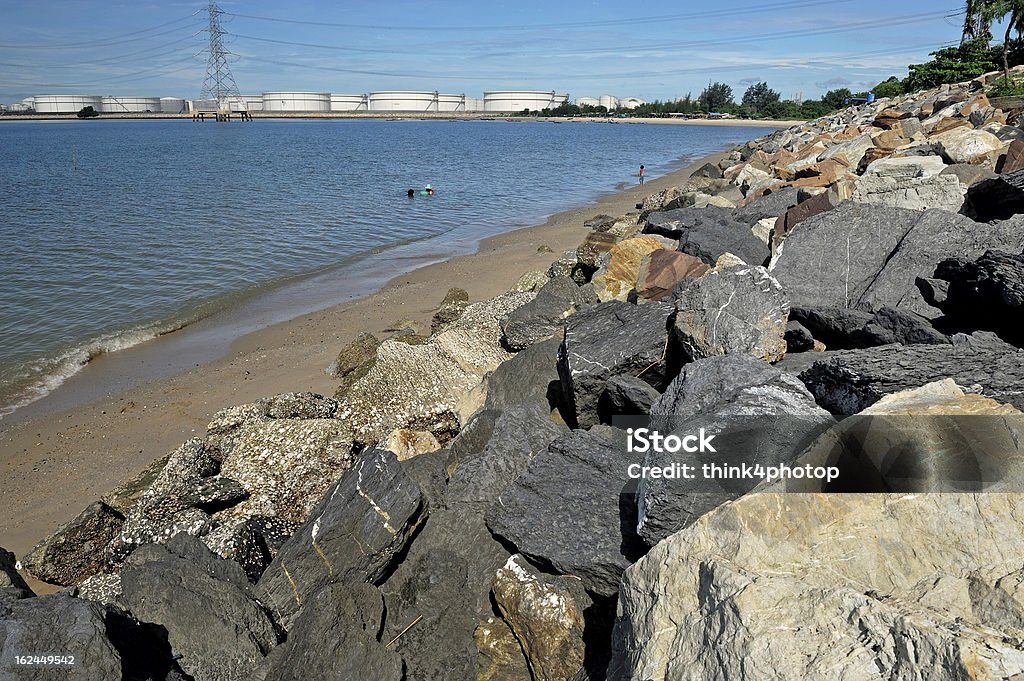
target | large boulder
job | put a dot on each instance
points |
(848, 381)
(619, 277)
(76, 550)
(12, 585)
(336, 636)
(354, 535)
(662, 270)
(997, 198)
(966, 145)
(801, 586)
(455, 302)
(734, 308)
(531, 376)
(861, 255)
(426, 387)
(913, 182)
(844, 329)
(543, 316)
(574, 509)
(353, 362)
(214, 623)
(987, 294)
(759, 415)
(606, 340)
(708, 233)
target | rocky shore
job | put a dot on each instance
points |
(459, 507)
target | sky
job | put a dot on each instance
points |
(654, 49)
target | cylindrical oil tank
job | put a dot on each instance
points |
(609, 102)
(474, 104)
(297, 101)
(631, 102)
(588, 101)
(451, 102)
(248, 103)
(511, 101)
(61, 104)
(172, 105)
(341, 102)
(403, 100)
(112, 104)
(28, 104)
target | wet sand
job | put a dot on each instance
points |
(54, 465)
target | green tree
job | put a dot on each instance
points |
(836, 99)
(977, 23)
(1011, 12)
(892, 87)
(87, 112)
(953, 65)
(760, 97)
(717, 97)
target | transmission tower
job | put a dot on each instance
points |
(219, 83)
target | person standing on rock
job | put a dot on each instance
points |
(641, 173)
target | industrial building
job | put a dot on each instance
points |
(609, 102)
(383, 101)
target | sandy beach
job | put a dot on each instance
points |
(53, 465)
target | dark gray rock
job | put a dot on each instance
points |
(305, 405)
(611, 339)
(967, 173)
(844, 329)
(986, 294)
(600, 223)
(625, 396)
(354, 535)
(75, 551)
(708, 170)
(12, 586)
(206, 605)
(759, 415)
(124, 497)
(997, 198)
(543, 316)
(574, 510)
(336, 636)
(709, 232)
(529, 377)
(849, 381)
(736, 309)
(213, 494)
(934, 291)
(770, 205)
(867, 256)
(494, 449)
(798, 338)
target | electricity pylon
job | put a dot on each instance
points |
(219, 84)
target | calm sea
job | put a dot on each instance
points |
(114, 232)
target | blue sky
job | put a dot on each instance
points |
(653, 49)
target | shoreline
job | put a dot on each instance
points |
(87, 450)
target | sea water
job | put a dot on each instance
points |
(115, 232)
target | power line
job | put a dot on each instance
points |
(120, 57)
(219, 82)
(773, 7)
(112, 40)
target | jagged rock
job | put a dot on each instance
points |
(732, 309)
(455, 302)
(844, 329)
(336, 637)
(967, 174)
(861, 255)
(354, 534)
(124, 497)
(615, 281)
(12, 585)
(104, 589)
(494, 449)
(213, 622)
(851, 151)
(998, 198)
(573, 511)
(222, 431)
(987, 294)
(500, 655)
(849, 381)
(546, 615)
(406, 443)
(808, 208)
(567, 265)
(792, 586)
(354, 361)
(213, 494)
(531, 376)
(427, 387)
(625, 396)
(709, 170)
(239, 541)
(965, 145)
(707, 233)
(759, 415)
(608, 340)
(285, 465)
(591, 252)
(1013, 160)
(75, 550)
(531, 282)
(798, 338)
(914, 183)
(600, 223)
(542, 317)
(662, 270)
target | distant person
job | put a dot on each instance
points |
(429, 190)
(641, 174)
(411, 193)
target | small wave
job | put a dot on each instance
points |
(42, 376)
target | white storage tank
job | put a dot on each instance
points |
(28, 104)
(609, 102)
(403, 100)
(631, 103)
(309, 102)
(112, 104)
(340, 102)
(474, 104)
(451, 102)
(172, 105)
(61, 104)
(243, 103)
(514, 101)
(588, 101)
